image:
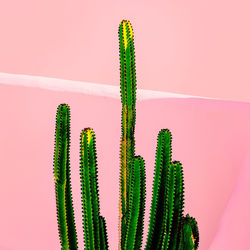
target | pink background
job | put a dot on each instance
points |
(210, 138)
(192, 47)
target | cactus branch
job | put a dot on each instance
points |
(175, 201)
(134, 229)
(158, 204)
(65, 211)
(103, 234)
(168, 228)
(89, 185)
(128, 98)
(189, 234)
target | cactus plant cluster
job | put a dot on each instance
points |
(168, 227)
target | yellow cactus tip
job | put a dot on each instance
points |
(89, 132)
(123, 21)
(126, 35)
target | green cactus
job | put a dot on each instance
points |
(189, 238)
(168, 228)
(65, 212)
(134, 229)
(128, 98)
(103, 234)
(174, 209)
(158, 205)
(94, 226)
(168, 188)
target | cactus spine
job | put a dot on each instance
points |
(168, 228)
(65, 212)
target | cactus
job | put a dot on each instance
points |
(168, 228)
(134, 229)
(128, 97)
(158, 205)
(103, 234)
(168, 188)
(93, 224)
(65, 212)
(174, 209)
(189, 238)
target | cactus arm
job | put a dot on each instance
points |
(65, 211)
(125, 217)
(127, 63)
(128, 97)
(174, 207)
(181, 240)
(158, 203)
(171, 192)
(103, 234)
(135, 203)
(195, 231)
(60, 173)
(90, 198)
(178, 206)
(69, 203)
(139, 233)
(94, 182)
(188, 243)
(190, 233)
(171, 185)
(86, 195)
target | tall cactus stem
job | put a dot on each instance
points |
(89, 186)
(175, 204)
(139, 231)
(134, 228)
(64, 202)
(128, 99)
(158, 203)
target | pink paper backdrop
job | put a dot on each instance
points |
(235, 221)
(210, 138)
(192, 47)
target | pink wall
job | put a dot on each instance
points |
(210, 139)
(194, 47)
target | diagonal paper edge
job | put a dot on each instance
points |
(90, 88)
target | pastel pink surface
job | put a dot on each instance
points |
(191, 47)
(210, 138)
(235, 221)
